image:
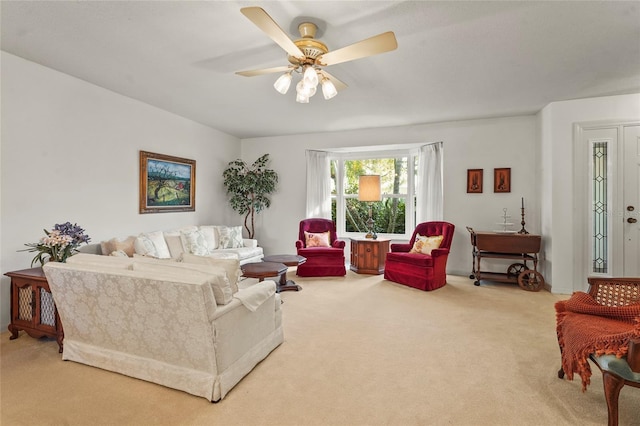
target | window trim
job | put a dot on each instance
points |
(410, 197)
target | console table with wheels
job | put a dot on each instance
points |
(521, 248)
(32, 307)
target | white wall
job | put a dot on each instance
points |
(557, 120)
(70, 152)
(486, 144)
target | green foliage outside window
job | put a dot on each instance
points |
(389, 213)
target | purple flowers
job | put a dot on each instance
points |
(74, 231)
(60, 243)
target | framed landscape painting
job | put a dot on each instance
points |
(167, 184)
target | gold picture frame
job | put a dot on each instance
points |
(502, 180)
(474, 181)
(167, 183)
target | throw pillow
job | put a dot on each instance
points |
(152, 244)
(210, 235)
(231, 266)
(174, 242)
(118, 253)
(106, 247)
(425, 245)
(115, 244)
(230, 237)
(195, 242)
(317, 240)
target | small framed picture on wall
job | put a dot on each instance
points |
(502, 180)
(474, 181)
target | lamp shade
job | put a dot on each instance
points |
(369, 188)
(310, 76)
(283, 82)
(328, 88)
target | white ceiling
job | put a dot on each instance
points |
(455, 60)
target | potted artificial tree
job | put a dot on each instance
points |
(250, 187)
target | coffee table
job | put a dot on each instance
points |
(288, 260)
(262, 270)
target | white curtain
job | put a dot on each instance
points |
(318, 184)
(429, 189)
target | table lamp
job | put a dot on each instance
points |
(369, 191)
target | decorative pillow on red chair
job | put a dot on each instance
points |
(317, 240)
(425, 245)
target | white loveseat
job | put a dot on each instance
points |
(208, 240)
(165, 322)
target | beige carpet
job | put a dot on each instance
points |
(358, 350)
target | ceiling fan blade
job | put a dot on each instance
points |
(339, 84)
(381, 43)
(253, 73)
(262, 20)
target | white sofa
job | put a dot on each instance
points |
(165, 322)
(210, 240)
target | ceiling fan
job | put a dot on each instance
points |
(308, 56)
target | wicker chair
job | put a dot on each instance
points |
(616, 372)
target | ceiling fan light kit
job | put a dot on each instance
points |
(283, 82)
(307, 55)
(310, 76)
(328, 89)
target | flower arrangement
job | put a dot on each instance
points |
(59, 244)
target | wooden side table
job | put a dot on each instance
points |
(262, 270)
(32, 307)
(368, 255)
(290, 260)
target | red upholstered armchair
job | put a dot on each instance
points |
(422, 271)
(321, 261)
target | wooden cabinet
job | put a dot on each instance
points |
(368, 256)
(32, 307)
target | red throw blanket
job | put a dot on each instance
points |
(585, 327)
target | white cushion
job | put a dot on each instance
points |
(250, 242)
(152, 244)
(230, 237)
(210, 235)
(231, 266)
(197, 242)
(225, 254)
(242, 253)
(174, 242)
